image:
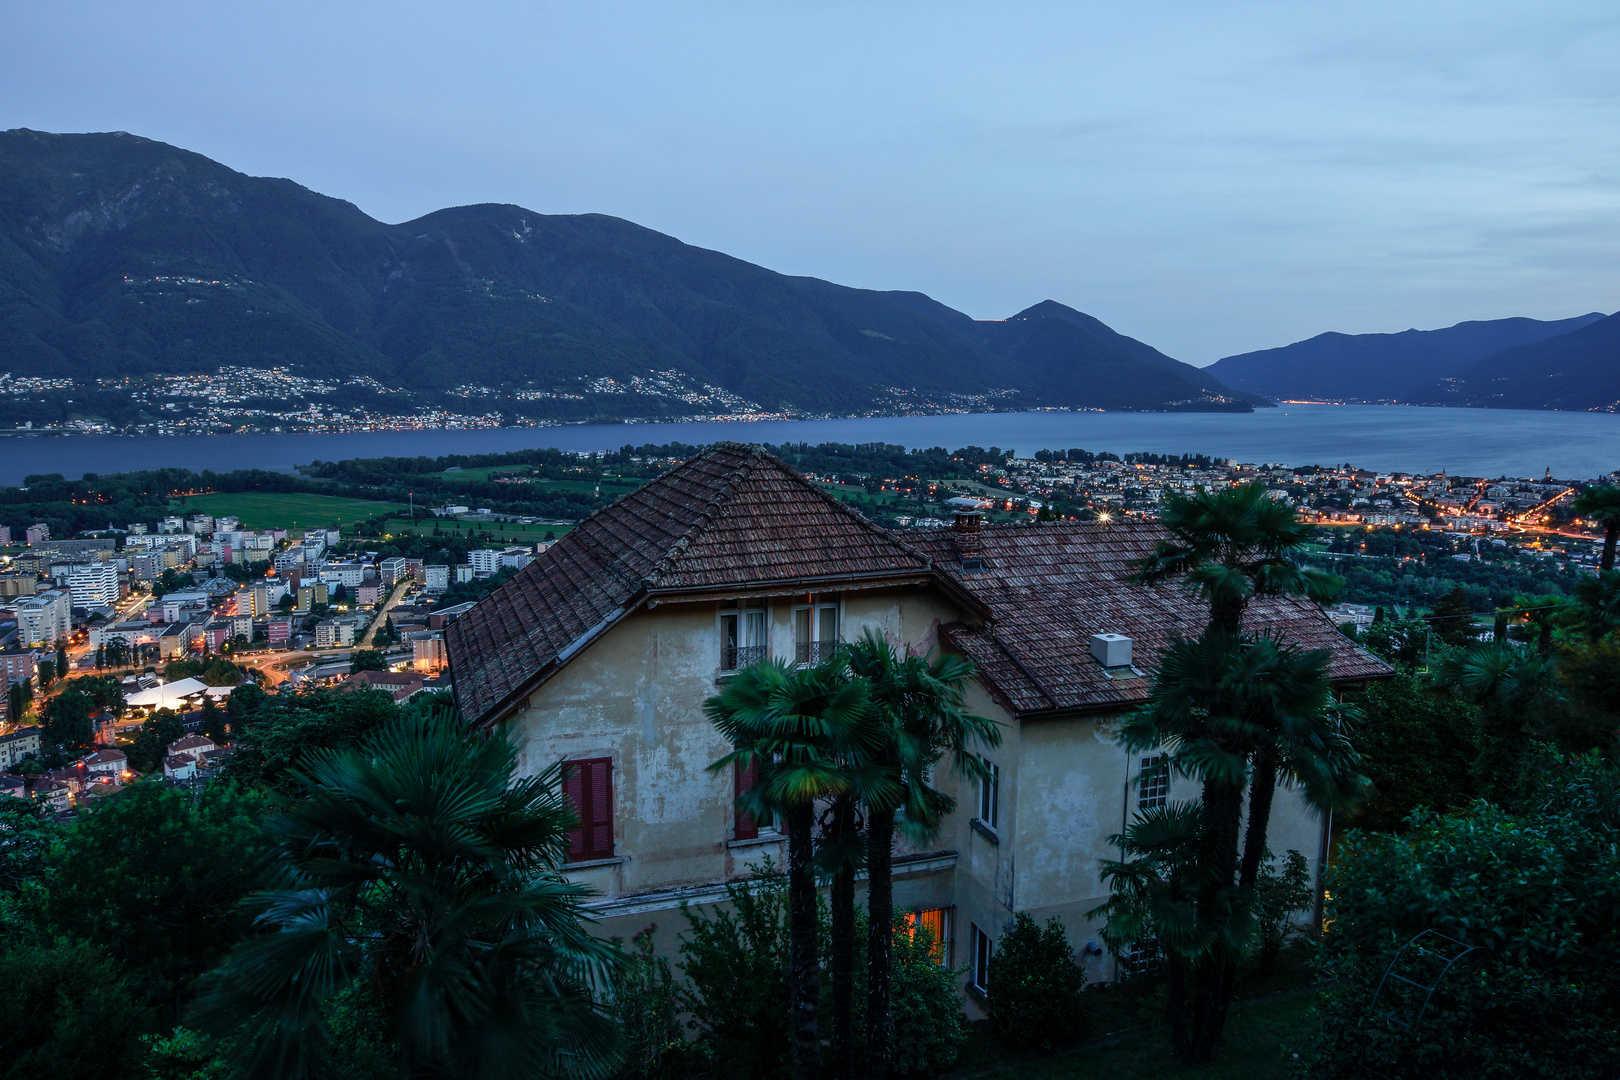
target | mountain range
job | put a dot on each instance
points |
(121, 256)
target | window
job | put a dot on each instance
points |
(1153, 783)
(742, 635)
(937, 922)
(815, 631)
(745, 777)
(989, 793)
(1138, 958)
(982, 948)
(588, 786)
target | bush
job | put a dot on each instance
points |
(1035, 984)
(926, 1031)
(645, 1003)
(736, 964)
(1535, 894)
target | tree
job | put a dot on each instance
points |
(1453, 618)
(16, 702)
(1598, 600)
(1035, 984)
(275, 735)
(69, 1012)
(367, 660)
(151, 744)
(155, 877)
(67, 720)
(1507, 683)
(1230, 547)
(1418, 746)
(921, 705)
(62, 664)
(213, 720)
(1216, 704)
(1533, 894)
(27, 832)
(792, 726)
(1602, 504)
(420, 869)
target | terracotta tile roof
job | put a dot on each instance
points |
(733, 515)
(1050, 587)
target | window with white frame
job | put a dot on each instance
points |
(742, 635)
(989, 793)
(815, 630)
(1153, 782)
(982, 949)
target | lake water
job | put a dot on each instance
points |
(1470, 442)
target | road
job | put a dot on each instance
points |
(382, 616)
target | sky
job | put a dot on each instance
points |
(1211, 178)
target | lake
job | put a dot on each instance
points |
(1470, 442)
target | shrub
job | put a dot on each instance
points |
(926, 1031)
(1035, 984)
(1535, 894)
(645, 1003)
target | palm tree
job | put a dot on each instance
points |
(1599, 600)
(1506, 682)
(1231, 546)
(1602, 504)
(921, 703)
(1545, 613)
(1155, 889)
(418, 871)
(797, 728)
(1218, 704)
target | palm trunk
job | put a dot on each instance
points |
(1611, 534)
(843, 949)
(880, 938)
(1214, 977)
(1262, 789)
(804, 974)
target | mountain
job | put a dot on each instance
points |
(121, 256)
(1379, 367)
(1578, 370)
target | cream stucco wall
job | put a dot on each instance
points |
(636, 696)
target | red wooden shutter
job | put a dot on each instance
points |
(746, 778)
(600, 840)
(574, 792)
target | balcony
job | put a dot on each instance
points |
(737, 657)
(814, 652)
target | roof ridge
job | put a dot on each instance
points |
(717, 500)
(850, 511)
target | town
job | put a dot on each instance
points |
(293, 608)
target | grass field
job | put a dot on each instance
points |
(294, 510)
(502, 531)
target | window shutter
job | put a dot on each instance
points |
(574, 792)
(588, 786)
(746, 777)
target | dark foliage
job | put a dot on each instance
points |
(1035, 985)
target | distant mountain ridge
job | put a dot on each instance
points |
(121, 256)
(1577, 370)
(1381, 367)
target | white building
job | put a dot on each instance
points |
(393, 571)
(44, 618)
(484, 561)
(93, 584)
(435, 578)
(331, 634)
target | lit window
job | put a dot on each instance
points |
(936, 923)
(989, 793)
(1153, 784)
(742, 636)
(982, 948)
(815, 631)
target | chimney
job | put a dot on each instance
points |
(1111, 650)
(965, 531)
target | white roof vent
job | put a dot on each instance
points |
(1111, 650)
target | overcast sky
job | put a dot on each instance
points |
(1210, 178)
